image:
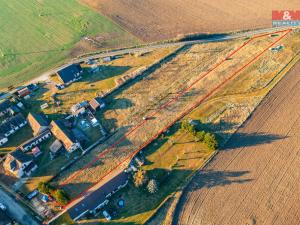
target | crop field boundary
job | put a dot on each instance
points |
(180, 116)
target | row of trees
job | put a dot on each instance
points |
(58, 194)
(200, 135)
(140, 179)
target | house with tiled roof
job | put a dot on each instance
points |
(19, 163)
(97, 103)
(62, 133)
(70, 74)
(38, 122)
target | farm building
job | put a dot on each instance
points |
(12, 125)
(97, 103)
(99, 197)
(70, 74)
(36, 140)
(38, 123)
(19, 163)
(4, 106)
(65, 136)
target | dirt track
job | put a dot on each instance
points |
(152, 20)
(255, 179)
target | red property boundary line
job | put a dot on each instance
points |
(179, 117)
(154, 113)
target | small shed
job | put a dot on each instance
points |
(56, 146)
(36, 151)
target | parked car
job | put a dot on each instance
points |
(106, 215)
(2, 206)
(32, 194)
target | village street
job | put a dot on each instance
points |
(15, 210)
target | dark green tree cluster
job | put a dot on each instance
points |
(202, 136)
(58, 194)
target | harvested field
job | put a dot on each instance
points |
(255, 179)
(144, 97)
(155, 20)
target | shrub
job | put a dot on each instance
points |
(140, 178)
(152, 186)
(200, 135)
(61, 196)
(44, 188)
(211, 141)
(185, 125)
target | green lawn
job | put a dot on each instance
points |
(39, 34)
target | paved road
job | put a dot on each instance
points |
(212, 38)
(15, 210)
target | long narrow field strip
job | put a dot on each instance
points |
(173, 100)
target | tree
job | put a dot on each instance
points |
(211, 141)
(44, 188)
(152, 186)
(200, 135)
(185, 125)
(140, 178)
(61, 196)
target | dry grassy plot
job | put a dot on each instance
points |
(130, 104)
(255, 179)
(153, 20)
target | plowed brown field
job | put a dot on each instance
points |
(153, 20)
(255, 179)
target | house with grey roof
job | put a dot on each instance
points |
(19, 163)
(70, 74)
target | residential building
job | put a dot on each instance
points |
(79, 108)
(12, 125)
(98, 198)
(4, 107)
(63, 134)
(19, 163)
(22, 93)
(38, 122)
(36, 140)
(70, 74)
(97, 103)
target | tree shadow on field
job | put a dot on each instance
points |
(239, 140)
(210, 179)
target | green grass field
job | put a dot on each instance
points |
(36, 35)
